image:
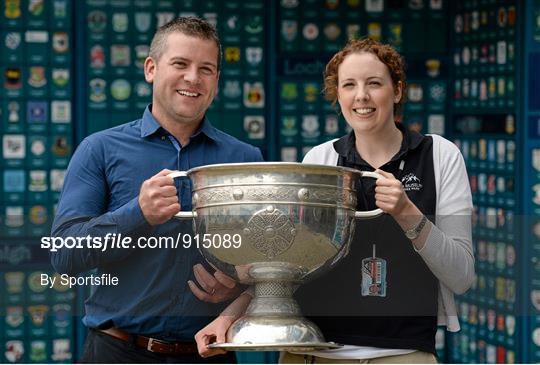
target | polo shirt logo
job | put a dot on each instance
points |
(411, 182)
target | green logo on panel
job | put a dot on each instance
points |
(120, 89)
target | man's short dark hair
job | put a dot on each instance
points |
(190, 26)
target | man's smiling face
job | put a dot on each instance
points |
(185, 78)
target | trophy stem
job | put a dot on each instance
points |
(273, 322)
(274, 299)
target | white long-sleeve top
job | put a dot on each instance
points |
(448, 249)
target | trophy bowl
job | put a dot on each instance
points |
(274, 226)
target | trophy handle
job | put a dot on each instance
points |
(181, 214)
(370, 213)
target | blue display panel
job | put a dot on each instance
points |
(486, 128)
(531, 191)
(118, 35)
(310, 32)
(36, 128)
(37, 320)
(36, 64)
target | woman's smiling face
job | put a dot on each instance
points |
(366, 93)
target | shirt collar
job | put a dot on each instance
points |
(207, 129)
(346, 146)
(150, 125)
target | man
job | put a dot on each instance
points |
(114, 186)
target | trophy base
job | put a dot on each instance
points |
(301, 347)
(274, 333)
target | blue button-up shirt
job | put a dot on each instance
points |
(100, 196)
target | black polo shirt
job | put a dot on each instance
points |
(388, 300)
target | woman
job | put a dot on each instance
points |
(386, 298)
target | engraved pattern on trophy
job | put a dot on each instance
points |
(270, 232)
(274, 289)
(270, 193)
(273, 306)
(328, 195)
(313, 194)
(214, 195)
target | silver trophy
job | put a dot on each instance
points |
(274, 226)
